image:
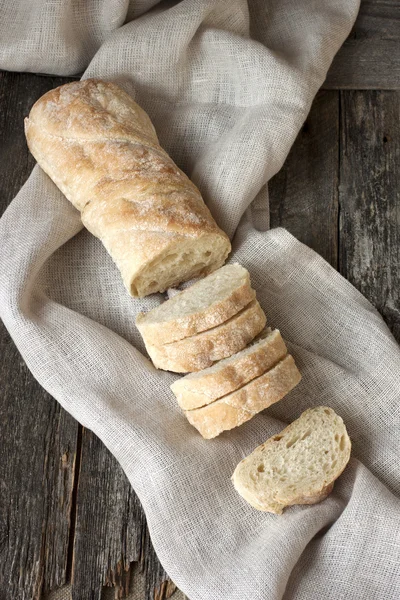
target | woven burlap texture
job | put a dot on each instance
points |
(227, 87)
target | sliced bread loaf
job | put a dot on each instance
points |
(297, 466)
(240, 406)
(204, 305)
(202, 350)
(198, 389)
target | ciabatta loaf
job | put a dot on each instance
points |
(204, 305)
(203, 349)
(198, 389)
(297, 466)
(100, 148)
(240, 406)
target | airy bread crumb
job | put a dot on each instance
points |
(297, 466)
(205, 304)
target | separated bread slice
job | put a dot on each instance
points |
(297, 466)
(204, 305)
(240, 406)
(202, 350)
(198, 389)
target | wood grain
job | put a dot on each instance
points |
(370, 57)
(108, 523)
(304, 194)
(18, 92)
(38, 449)
(110, 530)
(370, 198)
(37, 457)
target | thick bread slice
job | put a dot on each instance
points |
(297, 466)
(204, 305)
(202, 350)
(198, 389)
(240, 406)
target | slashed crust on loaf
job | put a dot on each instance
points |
(100, 148)
(240, 406)
(199, 389)
(206, 304)
(297, 466)
(203, 349)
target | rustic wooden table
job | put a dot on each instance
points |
(68, 516)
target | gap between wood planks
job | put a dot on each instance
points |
(338, 191)
(76, 470)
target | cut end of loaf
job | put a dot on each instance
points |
(184, 260)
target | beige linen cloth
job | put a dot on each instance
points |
(227, 86)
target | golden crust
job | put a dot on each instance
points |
(202, 350)
(229, 374)
(241, 405)
(101, 150)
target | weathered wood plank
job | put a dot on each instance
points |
(37, 456)
(37, 453)
(110, 532)
(370, 57)
(369, 198)
(303, 195)
(158, 585)
(108, 523)
(18, 92)
(101, 550)
(139, 590)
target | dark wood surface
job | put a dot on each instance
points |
(110, 529)
(369, 198)
(67, 512)
(370, 58)
(339, 191)
(304, 194)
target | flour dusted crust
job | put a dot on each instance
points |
(204, 305)
(199, 389)
(243, 404)
(202, 350)
(297, 466)
(100, 148)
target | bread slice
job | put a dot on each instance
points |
(240, 406)
(204, 305)
(297, 466)
(202, 350)
(198, 389)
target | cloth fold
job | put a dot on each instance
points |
(227, 87)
